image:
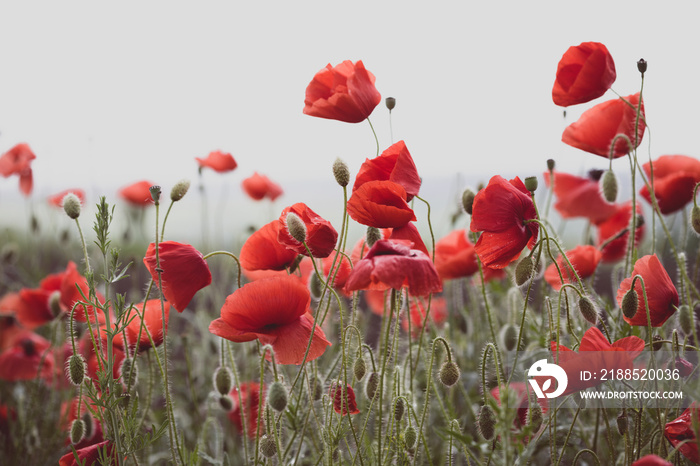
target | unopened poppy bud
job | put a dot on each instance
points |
(449, 373)
(9, 253)
(399, 408)
(410, 436)
(71, 205)
(373, 235)
(223, 381)
(657, 342)
(642, 65)
(534, 415)
(685, 319)
(622, 422)
(359, 368)
(630, 302)
(296, 227)
(179, 190)
(155, 193)
(468, 200)
(372, 385)
(341, 172)
(318, 389)
(226, 402)
(34, 224)
(531, 183)
(55, 303)
(277, 396)
(267, 446)
(129, 372)
(550, 164)
(524, 270)
(609, 183)
(77, 431)
(315, 286)
(509, 336)
(588, 309)
(76, 369)
(89, 425)
(487, 422)
(695, 219)
(390, 103)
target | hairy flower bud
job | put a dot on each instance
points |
(359, 368)
(318, 389)
(373, 235)
(277, 396)
(685, 319)
(622, 422)
(588, 309)
(296, 227)
(77, 431)
(129, 372)
(223, 380)
(75, 369)
(390, 103)
(410, 436)
(468, 200)
(226, 402)
(371, 385)
(449, 373)
(695, 219)
(341, 172)
(55, 303)
(487, 422)
(509, 334)
(71, 205)
(524, 270)
(267, 446)
(399, 408)
(534, 415)
(630, 302)
(179, 190)
(609, 183)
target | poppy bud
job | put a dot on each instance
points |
(609, 186)
(390, 103)
(179, 190)
(9, 253)
(76, 369)
(129, 372)
(534, 415)
(642, 65)
(410, 436)
(468, 200)
(71, 205)
(277, 396)
(524, 269)
(359, 368)
(510, 337)
(318, 389)
(34, 224)
(695, 219)
(629, 303)
(531, 183)
(55, 303)
(487, 422)
(373, 235)
(77, 431)
(89, 425)
(685, 319)
(449, 373)
(315, 286)
(399, 408)
(296, 227)
(267, 446)
(656, 346)
(550, 164)
(685, 367)
(371, 385)
(226, 402)
(622, 422)
(155, 193)
(223, 382)
(341, 172)
(588, 309)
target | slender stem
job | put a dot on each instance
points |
(375, 134)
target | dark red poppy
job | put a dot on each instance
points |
(17, 161)
(152, 320)
(218, 161)
(184, 271)
(28, 358)
(321, 237)
(347, 406)
(500, 212)
(394, 164)
(275, 311)
(137, 194)
(416, 313)
(662, 295)
(389, 264)
(584, 259)
(613, 233)
(455, 256)
(521, 402)
(259, 186)
(597, 127)
(380, 204)
(651, 460)
(680, 430)
(675, 177)
(345, 92)
(90, 455)
(262, 250)
(585, 72)
(580, 196)
(57, 199)
(246, 400)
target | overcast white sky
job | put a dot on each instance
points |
(110, 94)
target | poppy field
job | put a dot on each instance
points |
(309, 345)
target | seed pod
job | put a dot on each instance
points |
(277, 396)
(223, 380)
(550, 164)
(630, 302)
(531, 183)
(390, 103)
(360, 367)
(341, 172)
(371, 385)
(588, 309)
(449, 373)
(642, 65)
(267, 446)
(410, 436)
(524, 270)
(399, 407)
(77, 431)
(76, 369)
(609, 186)
(487, 422)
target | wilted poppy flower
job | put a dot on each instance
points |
(57, 199)
(597, 127)
(218, 161)
(380, 204)
(259, 186)
(416, 313)
(29, 357)
(500, 211)
(262, 250)
(675, 177)
(184, 271)
(152, 320)
(662, 295)
(580, 196)
(345, 92)
(347, 406)
(90, 455)
(394, 164)
(275, 311)
(17, 161)
(246, 400)
(585, 72)
(455, 256)
(321, 237)
(613, 233)
(585, 260)
(651, 460)
(680, 430)
(389, 264)
(137, 194)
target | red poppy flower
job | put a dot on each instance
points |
(394, 164)
(595, 353)
(95, 364)
(580, 196)
(613, 233)
(17, 161)
(321, 237)
(500, 211)
(184, 271)
(680, 430)
(347, 406)
(71, 280)
(262, 250)
(57, 199)
(28, 358)
(651, 460)
(90, 455)
(302, 271)
(417, 310)
(597, 127)
(138, 194)
(389, 264)
(585, 260)
(408, 232)
(455, 256)
(675, 177)
(275, 311)
(380, 204)
(345, 92)
(218, 161)
(246, 400)
(662, 295)
(585, 72)
(152, 320)
(259, 186)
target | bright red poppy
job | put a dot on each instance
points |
(613, 233)
(455, 256)
(680, 430)
(597, 127)
(390, 264)
(218, 161)
(651, 460)
(585, 72)
(345, 92)
(259, 186)
(138, 194)
(500, 212)
(408, 232)
(28, 358)
(662, 295)
(152, 320)
(90, 455)
(302, 271)
(347, 406)
(341, 272)
(380, 204)
(184, 271)
(584, 259)
(416, 314)
(321, 237)
(17, 161)
(263, 251)
(246, 400)
(394, 164)
(675, 177)
(275, 311)
(580, 196)
(57, 199)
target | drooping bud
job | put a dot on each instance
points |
(449, 373)
(371, 385)
(630, 302)
(129, 372)
(155, 193)
(296, 227)
(226, 402)
(399, 408)
(410, 436)
(277, 396)
(550, 164)
(685, 319)
(318, 389)
(179, 190)
(390, 103)
(223, 380)
(609, 183)
(534, 415)
(531, 183)
(642, 65)
(695, 219)
(509, 334)
(315, 286)
(267, 446)
(71, 205)
(487, 422)
(524, 270)
(55, 303)
(622, 424)
(373, 235)
(468, 200)
(77, 431)
(360, 367)
(588, 309)
(89, 425)
(341, 172)
(76, 369)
